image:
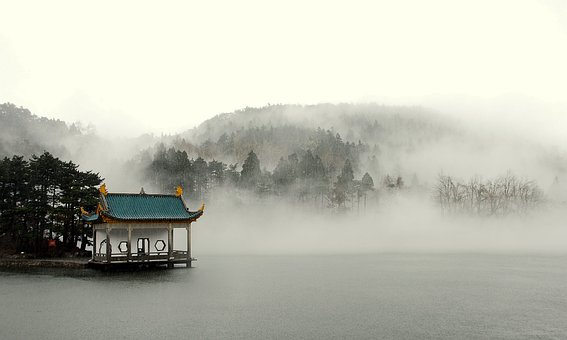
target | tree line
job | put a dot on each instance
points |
(270, 142)
(500, 196)
(302, 176)
(40, 200)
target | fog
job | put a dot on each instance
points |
(411, 220)
(402, 224)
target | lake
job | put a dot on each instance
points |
(385, 296)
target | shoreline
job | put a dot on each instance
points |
(72, 263)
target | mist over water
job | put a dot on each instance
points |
(401, 224)
(408, 221)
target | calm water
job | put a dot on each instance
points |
(373, 296)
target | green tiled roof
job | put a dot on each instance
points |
(147, 207)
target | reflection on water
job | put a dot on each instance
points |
(147, 275)
(373, 296)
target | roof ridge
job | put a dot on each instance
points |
(139, 194)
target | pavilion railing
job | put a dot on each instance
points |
(141, 257)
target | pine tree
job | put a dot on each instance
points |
(14, 198)
(250, 174)
(200, 173)
(217, 172)
(42, 198)
(367, 182)
(344, 184)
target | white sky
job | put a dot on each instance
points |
(138, 66)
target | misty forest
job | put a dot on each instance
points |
(337, 160)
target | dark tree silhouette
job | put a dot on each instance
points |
(250, 174)
(344, 185)
(41, 199)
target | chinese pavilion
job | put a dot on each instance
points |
(137, 229)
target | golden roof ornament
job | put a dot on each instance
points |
(103, 190)
(178, 191)
(202, 208)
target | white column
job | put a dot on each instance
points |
(129, 242)
(94, 242)
(108, 249)
(189, 245)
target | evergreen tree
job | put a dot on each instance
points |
(14, 198)
(250, 174)
(200, 175)
(344, 184)
(283, 175)
(232, 175)
(307, 165)
(367, 182)
(320, 180)
(217, 172)
(45, 180)
(41, 199)
(366, 185)
(78, 189)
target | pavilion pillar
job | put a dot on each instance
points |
(188, 228)
(94, 242)
(169, 246)
(129, 243)
(108, 248)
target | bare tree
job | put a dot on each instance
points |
(501, 196)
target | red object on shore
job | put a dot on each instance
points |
(51, 243)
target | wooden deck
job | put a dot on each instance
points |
(152, 259)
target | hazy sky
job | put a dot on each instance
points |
(138, 66)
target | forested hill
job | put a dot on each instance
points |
(368, 122)
(411, 142)
(334, 132)
(23, 133)
(276, 131)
